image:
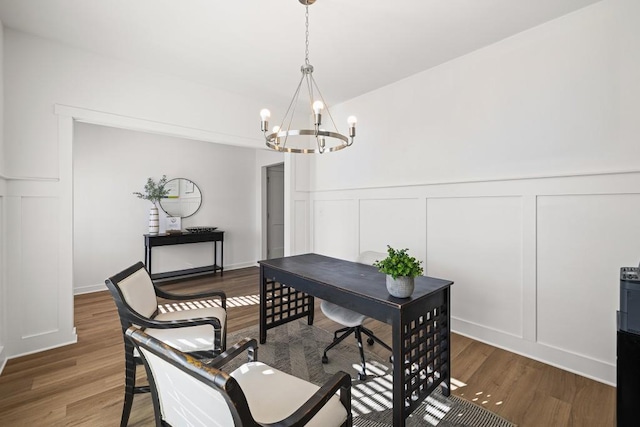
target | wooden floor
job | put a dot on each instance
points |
(82, 384)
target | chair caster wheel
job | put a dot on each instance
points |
(362, 376)
(325, 359)
(370, 341)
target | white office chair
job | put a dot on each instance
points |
(352, 320)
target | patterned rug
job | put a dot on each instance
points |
(297, 348)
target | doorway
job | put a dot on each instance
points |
(275, 211)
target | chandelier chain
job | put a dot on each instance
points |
(306, 34)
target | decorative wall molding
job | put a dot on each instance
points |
(27, 178)
(602, 199)
(138, 124)
(484, 180)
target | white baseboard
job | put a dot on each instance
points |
(72, 340)
(3, 359)
(102, 287)
(583, 365)
(89, 289)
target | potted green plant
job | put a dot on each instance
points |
(401, 269)
(153, 192)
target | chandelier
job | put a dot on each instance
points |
(287, 140)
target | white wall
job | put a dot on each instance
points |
(3, 300)
(2, 165)
(512, 171)
(40, 76)
(109, 164)
(3, 321)
(82, 79)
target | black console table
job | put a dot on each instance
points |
(217, 237)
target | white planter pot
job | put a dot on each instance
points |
(402, 287)
(154, 221)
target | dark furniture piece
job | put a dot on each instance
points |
(217, 237)
(186, 392)
(420, 324)
(200, 331)
(628, 379)
(628, 348)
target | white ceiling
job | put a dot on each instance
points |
(256, 47)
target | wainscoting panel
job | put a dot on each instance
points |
(477, 243)
(301, 226)
(583, 240)
(395, 222)
(535, 262)
(335, 228)
(39, 305)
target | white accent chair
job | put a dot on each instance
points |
(352, 320)
(187, 392)
(200, 330)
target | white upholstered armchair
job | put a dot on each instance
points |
(200, 331)
(188, 392)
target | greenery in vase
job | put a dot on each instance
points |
(399, 263)
(154, 191)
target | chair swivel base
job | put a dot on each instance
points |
(358, 331)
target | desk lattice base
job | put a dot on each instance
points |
(283, 304)
(425, 350)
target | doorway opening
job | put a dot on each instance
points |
(275, 211)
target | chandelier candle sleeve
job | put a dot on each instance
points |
(325, 139)
(318, 106)
(264, 116)
(352, 125)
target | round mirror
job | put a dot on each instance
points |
(183, 200)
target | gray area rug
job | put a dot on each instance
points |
(297, 348)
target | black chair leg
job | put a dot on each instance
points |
(370, 334)
(129, 384)
(358, 331)
(362, 375)
(336, 340)
(346, 330)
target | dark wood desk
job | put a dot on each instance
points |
(420, 324)
(217, 237)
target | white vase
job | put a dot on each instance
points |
(402, 287)
(154, 221)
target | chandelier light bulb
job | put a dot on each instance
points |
(352, 120)
(275, 129)
(265, 114)
(318, 106)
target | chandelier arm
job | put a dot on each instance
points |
(325, 104)
(311, 101)
(293, 104)
(293, 113)
(316, 126)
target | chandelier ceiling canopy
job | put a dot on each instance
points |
(284, 138)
